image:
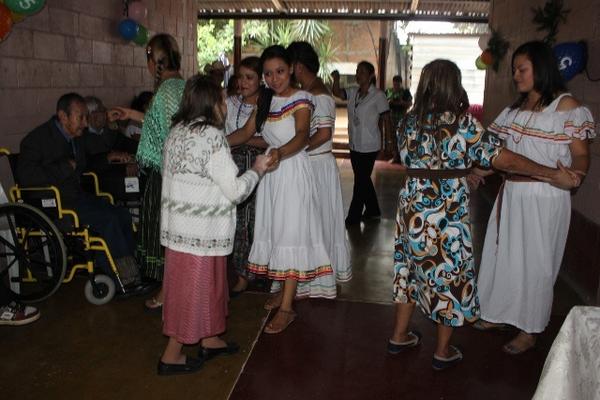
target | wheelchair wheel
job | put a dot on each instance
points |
(101, 291)
(33, 256)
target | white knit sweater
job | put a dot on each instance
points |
(200, 189)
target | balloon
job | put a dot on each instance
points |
(128, 29)
(6, 22)
(142, 36)
(483, 41)
(137, 11)
(16, 17)
(487, 58)
(480, 64)
(25, 7)
(571, 58)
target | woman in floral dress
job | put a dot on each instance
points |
(438, 143)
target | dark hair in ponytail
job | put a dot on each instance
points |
(305, 54)
(162, 49)
(263, 104)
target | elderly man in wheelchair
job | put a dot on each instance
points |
(53, 154)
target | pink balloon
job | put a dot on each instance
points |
(137, 11)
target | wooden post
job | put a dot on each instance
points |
(237, 43)
(383, 47)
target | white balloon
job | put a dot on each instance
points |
(483, 42)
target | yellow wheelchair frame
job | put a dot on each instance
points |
(99, 289)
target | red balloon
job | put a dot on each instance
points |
(6, 22)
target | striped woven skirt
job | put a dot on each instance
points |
(196, 296)
(149, 252)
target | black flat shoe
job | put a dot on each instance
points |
(413, 341)
(440, 363)
(207, 353)
(234, 293)
(191, 365)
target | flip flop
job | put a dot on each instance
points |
(514, 351)
(272, 331)
(482, 325)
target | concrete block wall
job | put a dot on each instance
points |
(74, 45)
(514, 19)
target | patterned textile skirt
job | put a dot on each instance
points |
(433, 259)
(244, 157)
(196, 296)
(149, 252)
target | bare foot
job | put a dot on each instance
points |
(520, 344)
(274, 301)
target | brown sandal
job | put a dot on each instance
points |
(274, 302)
(271, 329)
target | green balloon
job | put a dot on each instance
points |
(480, 64)
(25, 7)
(142, 36)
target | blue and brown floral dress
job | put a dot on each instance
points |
(433, 260)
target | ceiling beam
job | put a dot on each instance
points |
(278, 6)
(414, 5)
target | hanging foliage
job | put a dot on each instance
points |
(498, 46)
(549, 17)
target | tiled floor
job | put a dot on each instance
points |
(335, 350)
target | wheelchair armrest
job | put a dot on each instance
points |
(47, 199)
(91, 184)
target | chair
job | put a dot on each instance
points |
(37, 212)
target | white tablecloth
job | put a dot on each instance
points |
(572, 368)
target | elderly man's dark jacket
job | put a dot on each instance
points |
(44, 160)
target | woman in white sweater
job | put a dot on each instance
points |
(200, 191)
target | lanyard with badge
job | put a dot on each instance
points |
(357, 103)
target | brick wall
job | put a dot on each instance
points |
(513, 19)
(74, 45)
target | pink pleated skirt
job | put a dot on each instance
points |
(196, 296)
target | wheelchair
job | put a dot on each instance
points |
(43, 245)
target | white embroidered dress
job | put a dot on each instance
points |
(522, 257)
(288, 237)
(329, 198)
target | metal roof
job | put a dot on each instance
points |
(437, 10)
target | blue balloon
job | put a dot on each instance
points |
(128, 29)
(571, 58)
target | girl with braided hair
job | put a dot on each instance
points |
(164, 63)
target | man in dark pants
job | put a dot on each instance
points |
(52, 154)
(363, 193)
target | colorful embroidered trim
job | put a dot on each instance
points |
(290, 109)
(300, 276)
(538, 133)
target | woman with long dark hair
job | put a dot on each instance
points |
(439, 142)
(527, 229)
(199, 174)
(239, 110)
(288, 238)
(164, 63)
(326, 173)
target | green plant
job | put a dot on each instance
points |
(549, 17)
(498, 47)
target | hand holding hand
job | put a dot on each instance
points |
(563, 177)
(118, 156)
(261, 164)
(275, 155)
(474, 180)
